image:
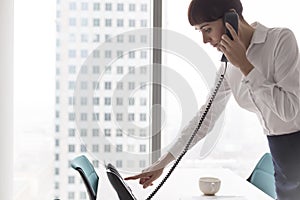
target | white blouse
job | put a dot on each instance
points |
(271, 90)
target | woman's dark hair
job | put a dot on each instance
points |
(210, 10)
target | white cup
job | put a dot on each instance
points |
(209, 185)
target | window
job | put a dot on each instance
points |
(120, 7)
(95, 132)
(107, 148)
(119, 117)
(131, 7)
(96, 38)
(83, 148)
(144, 7)
(119, 86)
(107, 101)
(96, 6)
(72, 5)
(119, 69)
(96, 22)
(119, 133)
(108, 22)
(107, 132)
(95, 148)
(120, 23)
(119, 101)
(107, 117)
(119, 148)
(131, 23)
(130, 101)
(107, 85)
(142, 148)
(71, 148)
(108, 6)
(72, 21)
(84, 6)
(83, 132)
(131, 117)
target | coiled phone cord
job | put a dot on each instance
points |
(192, 136)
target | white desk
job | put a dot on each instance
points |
(183, 185)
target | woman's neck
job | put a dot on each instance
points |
(245, 32)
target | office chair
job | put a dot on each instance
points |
(263, 175)
(88, 174)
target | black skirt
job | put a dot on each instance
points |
(285, 150)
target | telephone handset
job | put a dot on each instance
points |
(122, 189)
(233, 19)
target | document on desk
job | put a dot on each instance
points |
(214, 198)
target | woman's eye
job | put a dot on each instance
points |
(207, 30)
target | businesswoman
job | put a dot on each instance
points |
(263, 77)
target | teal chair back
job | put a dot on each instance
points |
(88, 174)
(263, 175)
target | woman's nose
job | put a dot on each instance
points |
(205, 39)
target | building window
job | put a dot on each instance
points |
(83, 101)
(143, 70)
(143, 117)
(131, 117)
(119, 101)
(143, 23)
(107, 54)
(120, 22)
(143, 39)
(96, 69)
(143, 101)
(72, 6)
(107, 132)
(71, 148)
(142, 148)
(142, 163)
(120, 54)
(119, 163)
(82, 195)
(131, 54)
(72, 21)
(84, 6)
(95, 116)
(131, 23)
(108, 6)
(119, 117)
(71, 116)
(83, 117)
(131, 85)
(119, 148)
(84, 22)
(131, 70)
(107, 148)
(107, 70)
(131, 39)
(144, 7)
(96, 6)
(131, 7)
(56, 171)
(95, 148)
(83, 132)
(95, 132)
(119, 133)
(107, 85)
(71, 132)
(119, 86)
(72, 53)
(107, 101)
(108, 22)
(96, 38)
(71, 195)
(119, 69)
(96, 22)
(72, 69)
(131, 132)
(107, 117)
(84, 38)
(143, 133)
(130, 101)
(96, 100)
(95, 85)
(120, 7)
(96, 54)
(83, 148)
(143, 54)
(120, 38)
